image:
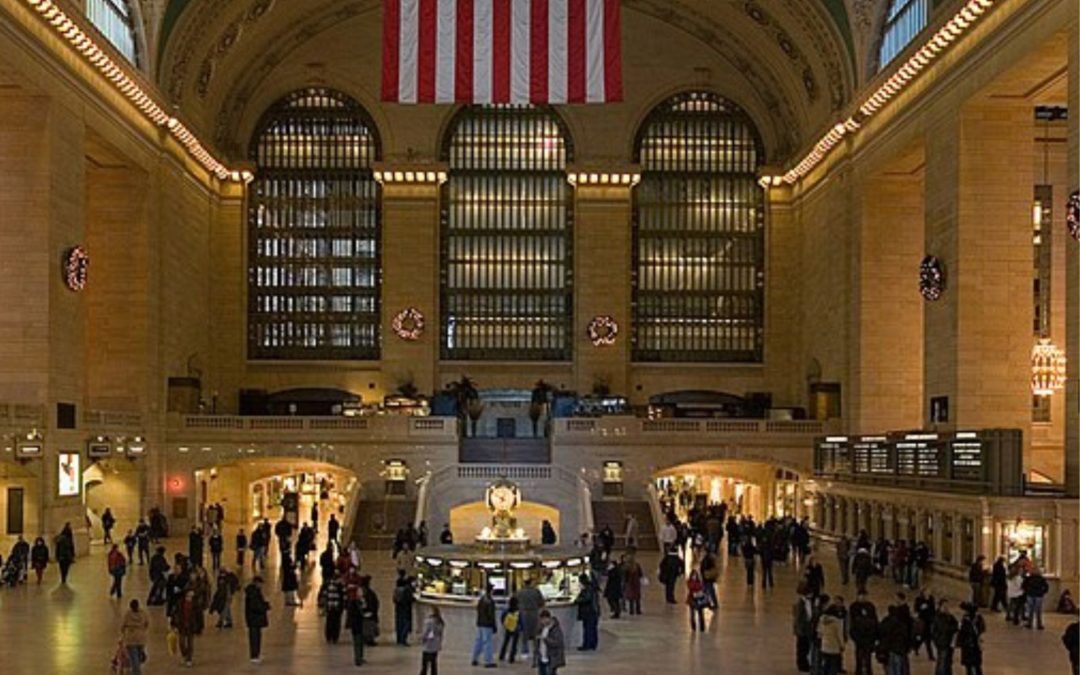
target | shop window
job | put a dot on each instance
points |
(114, 20)
(1023, 537)
(698, 267)
(314, 223)
(905, 20)
(506, 237)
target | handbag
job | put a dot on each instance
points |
(172, 642)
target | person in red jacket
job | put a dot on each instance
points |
(117, 565)
(697, 600)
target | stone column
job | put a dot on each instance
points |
(410, 279)
(939, 534)
(886, 313)
(1072, 284)
(602, 271)
(978, 335)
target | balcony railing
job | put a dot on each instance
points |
(362, 427)
(625, 426)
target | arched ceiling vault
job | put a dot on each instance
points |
(794, 59)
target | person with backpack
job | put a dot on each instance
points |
(403, 607)
(227, 585)
(511, 623)
(431, 642)
(969, 638)
(1035, 589)
(943, 633)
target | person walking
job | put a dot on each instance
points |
(765, 550)
(228, 584)
(613, 588)
(894, 641)
(588, 613)
(355, 610)
(117, 566)
(1035, 589)
(404, 597)
(671, 568)
(843, 558)
(925, 611)
(334, 606)
(862, 566)
(485, 629)
(108, 522)
(976, 578)
(633, 580)
(830, 633)
(550, 645)
(65, 551)
(530, 602)
(431, 639)
(241, 548)
(290, 581)
(256, 610)
(142, 541)
(697, 600)
(39, 558)
(863, 630)
(969, 639)
(511, 623)
(943, 633)
(749, 554)
(133, 629)
(333, 527)
(217, 545)
(195, 546)
(129, 545)
(187, 620)
(802, 620)
(999, 583)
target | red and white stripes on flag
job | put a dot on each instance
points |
(501, 51)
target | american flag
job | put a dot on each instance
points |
(501, 51)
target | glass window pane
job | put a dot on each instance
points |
(113, 19)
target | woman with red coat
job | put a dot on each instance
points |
(117, 565)
(187, 619)
(696, 600)
(633, 580)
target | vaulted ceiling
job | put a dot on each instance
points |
(798, 60)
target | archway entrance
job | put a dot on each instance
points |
(253, 489)
(115, 484)
(753, 489)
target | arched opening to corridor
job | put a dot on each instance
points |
(754, 489)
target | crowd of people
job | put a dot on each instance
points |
(195, 591)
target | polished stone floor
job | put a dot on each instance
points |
(73, 629)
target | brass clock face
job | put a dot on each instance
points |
(502, 498)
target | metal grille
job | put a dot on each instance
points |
(507, 237)
(905, 20)
(698, 234)
(113, 19)
(314, 269)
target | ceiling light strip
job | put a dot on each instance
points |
(131, 90)
(959, 24)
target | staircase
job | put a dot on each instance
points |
(613, 513)
(375, 522)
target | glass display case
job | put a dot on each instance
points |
(453, 573)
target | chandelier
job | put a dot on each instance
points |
(1047, 368)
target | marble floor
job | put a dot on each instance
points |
(73, 629)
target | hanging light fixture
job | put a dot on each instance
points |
(1047, 368)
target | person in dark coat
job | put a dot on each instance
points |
(217, 545)
(802, 626)
(999, 582)
(187, 619)
(969, 639)
(195, 546)
(356, 620)
(863, 629)
(290, 582)
(333, 605)
(613, 588)
(404, 595)
(894, 641)
(588, 612)
(371, 611)
(332, 529)
(159, 569)
(256, 611)
(671, 568)
(39, 558)
(108, 521)
(547, 534)
(925, 610)
(65, 551)
(943, 633)
(1071, 639)
(550, 645)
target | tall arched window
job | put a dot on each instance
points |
(698, 234)
(507, 237)
(905, 20)
(115, 21)
(314, 224)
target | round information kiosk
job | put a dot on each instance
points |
(453, 577)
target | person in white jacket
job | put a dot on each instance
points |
(1015, 593)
